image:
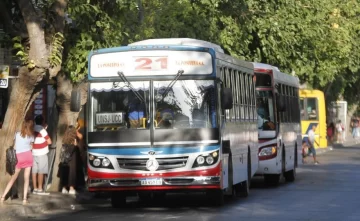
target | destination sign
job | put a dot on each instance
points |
(152, 62)
(109, 118)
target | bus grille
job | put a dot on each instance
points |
(140, 163)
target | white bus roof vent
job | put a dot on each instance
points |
(179, 41)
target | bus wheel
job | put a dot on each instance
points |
(272, 179)
(216, 197)
(244, 187)
(118, 200)
(291, 175)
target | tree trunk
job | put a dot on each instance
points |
(30, 81)
(22, 95)
(66, 118)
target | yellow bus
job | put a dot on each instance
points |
(313, 111)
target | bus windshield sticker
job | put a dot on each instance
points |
(109, 118)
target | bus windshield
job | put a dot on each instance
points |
(186, 104)
(265, 110)
(119, 105)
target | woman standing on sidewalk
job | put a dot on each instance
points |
(23, 145)
(68, 168)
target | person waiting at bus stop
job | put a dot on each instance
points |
(311, 141)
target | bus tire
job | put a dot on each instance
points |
(244, 187)
(272, 179)
(118, 200)
(216, 197)
(290, 175)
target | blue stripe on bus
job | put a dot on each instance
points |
(158, 150)
(306, 139)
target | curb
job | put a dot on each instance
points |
(324, 150)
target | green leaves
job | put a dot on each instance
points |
(319, 40)
(21, 52)
(55, 57)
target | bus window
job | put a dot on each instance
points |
(311, 108)
(302, 109)
(117, 106)
(187, 104)
(265, 110)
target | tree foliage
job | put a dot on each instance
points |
(316, 40)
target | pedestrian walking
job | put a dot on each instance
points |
(311, 142)
(23, 145)
(355, 127)
(40, 153)
(330, 132)
(339, 129)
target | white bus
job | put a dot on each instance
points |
(279, 124)
(170, 115)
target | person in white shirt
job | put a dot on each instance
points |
(311, 141)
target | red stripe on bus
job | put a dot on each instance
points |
(154, 188)
(205, 172)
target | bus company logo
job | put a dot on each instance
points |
(190, 63)
(110, 65)
(152, 164)
(151, 152)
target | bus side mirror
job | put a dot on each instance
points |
(226, 99)
(75, 101)
(280, 103)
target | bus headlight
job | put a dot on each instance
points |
(106, 162)
(91, 157)
(206, 159)
(209, 160)
(100, 162)
(200, 160)
(97, 162)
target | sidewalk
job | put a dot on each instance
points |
(349, 142)
(40, 205)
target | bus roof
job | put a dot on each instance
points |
(279, 77)
(311, 93)
(179, 41)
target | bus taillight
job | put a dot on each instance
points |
(263, 70)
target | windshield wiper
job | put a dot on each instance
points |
(124, 79)
(180, 72)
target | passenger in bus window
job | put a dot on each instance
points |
(165, 117)
(312, 114)
(262, 113)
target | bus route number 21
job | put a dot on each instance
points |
(151, 63)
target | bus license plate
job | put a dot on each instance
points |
(151, 182)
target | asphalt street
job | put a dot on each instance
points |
(329, 191)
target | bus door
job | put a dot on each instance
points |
(309, 117)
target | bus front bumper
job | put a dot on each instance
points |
(155, 182)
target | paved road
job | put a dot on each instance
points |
(329, 191)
